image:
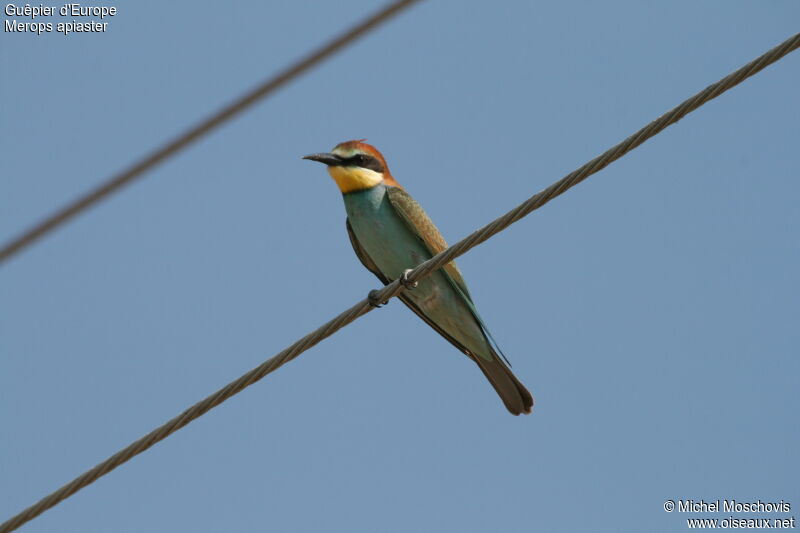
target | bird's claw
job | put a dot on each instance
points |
(374, 300)
(405, 282)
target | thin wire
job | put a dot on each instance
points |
(201, 129)
(394, 288)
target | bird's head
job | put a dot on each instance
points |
(355, 165)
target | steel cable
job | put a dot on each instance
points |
(199, 130)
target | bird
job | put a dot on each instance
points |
(391, 234)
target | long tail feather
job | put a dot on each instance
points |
(515, 396)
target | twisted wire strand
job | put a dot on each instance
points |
(394, 288)
(199, 130)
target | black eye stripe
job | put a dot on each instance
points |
(364, 161)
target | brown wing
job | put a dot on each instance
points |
(423, 227)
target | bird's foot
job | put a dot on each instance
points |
(374, 300)
(408, 284)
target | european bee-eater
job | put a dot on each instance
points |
(390, 234)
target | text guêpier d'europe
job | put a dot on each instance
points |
(34, 18)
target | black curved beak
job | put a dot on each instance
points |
(328, 159)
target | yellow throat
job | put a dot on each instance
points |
(350, 179)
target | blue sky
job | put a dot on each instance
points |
(652, 310)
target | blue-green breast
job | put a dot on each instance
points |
(393, 247)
